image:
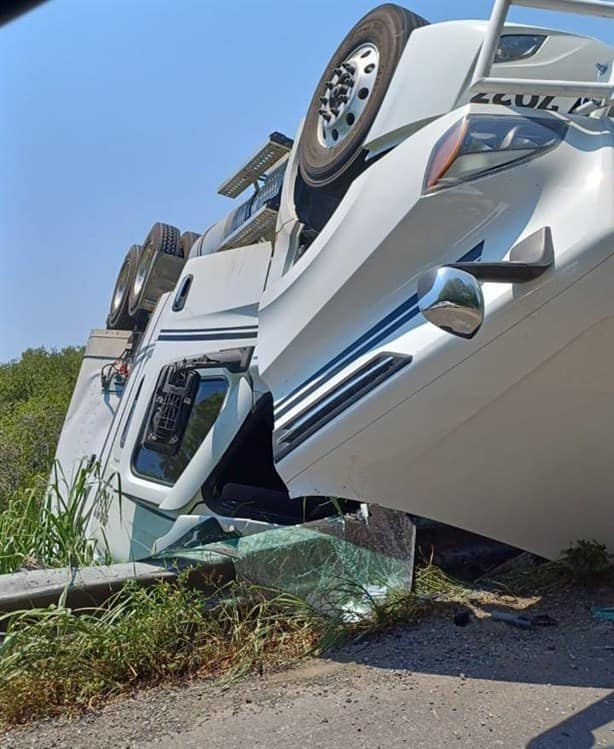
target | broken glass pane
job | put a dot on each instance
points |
(338, 565)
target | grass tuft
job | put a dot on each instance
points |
(57, 660)
(46, 525)
(584, 563)
(587, 560)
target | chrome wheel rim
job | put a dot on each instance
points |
(142, 271)
(346, 95)
(120, 287)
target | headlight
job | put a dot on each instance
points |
(518, 46)
(481, 143)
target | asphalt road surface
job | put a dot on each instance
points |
(435, 685)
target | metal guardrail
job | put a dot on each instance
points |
(91, 586)
(482, 80)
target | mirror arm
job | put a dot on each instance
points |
(504, 272)
(529, 259)
(233, 363)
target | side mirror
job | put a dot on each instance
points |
(451, 299)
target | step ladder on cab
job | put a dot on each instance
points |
(254, 220)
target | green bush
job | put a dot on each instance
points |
(35, 392)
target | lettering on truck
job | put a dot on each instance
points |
(530, 101)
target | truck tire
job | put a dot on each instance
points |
(350, 93)
(119, 318)
(187, 240)
(152, 275)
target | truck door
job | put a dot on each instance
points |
(213, 310)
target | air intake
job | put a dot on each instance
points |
(350, 390)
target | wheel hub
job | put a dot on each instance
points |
(346, 95)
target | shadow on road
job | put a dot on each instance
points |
(578, 651)
(577, 731)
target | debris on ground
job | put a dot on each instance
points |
(462, 618)
(516, 620)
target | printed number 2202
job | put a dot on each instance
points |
(532, 101)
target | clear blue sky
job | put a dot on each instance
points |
(115, 114)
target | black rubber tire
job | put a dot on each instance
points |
(165, 238)
(120, 318)
(162, 238)
(187, 240)
(388, 27)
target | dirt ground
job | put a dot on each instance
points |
(433, 685)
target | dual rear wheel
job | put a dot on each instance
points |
(148, 271)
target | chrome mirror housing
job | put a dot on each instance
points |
(451, 299)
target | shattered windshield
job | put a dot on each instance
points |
(338, 565)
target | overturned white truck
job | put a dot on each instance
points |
(412, 309)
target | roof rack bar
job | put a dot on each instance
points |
(582, 7)
(482, 81)
(544, 87)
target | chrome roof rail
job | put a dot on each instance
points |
(481, 81)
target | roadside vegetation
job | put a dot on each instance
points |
(57, 660)
(39, 526)
(35, 391)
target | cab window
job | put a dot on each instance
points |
(166, 468)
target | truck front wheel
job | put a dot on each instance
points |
(350, 93)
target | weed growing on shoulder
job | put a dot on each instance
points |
(48, 524)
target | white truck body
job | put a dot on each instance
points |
(92, 407)
(504, 432)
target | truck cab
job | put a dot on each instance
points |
(408, 310)
(435, 343)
